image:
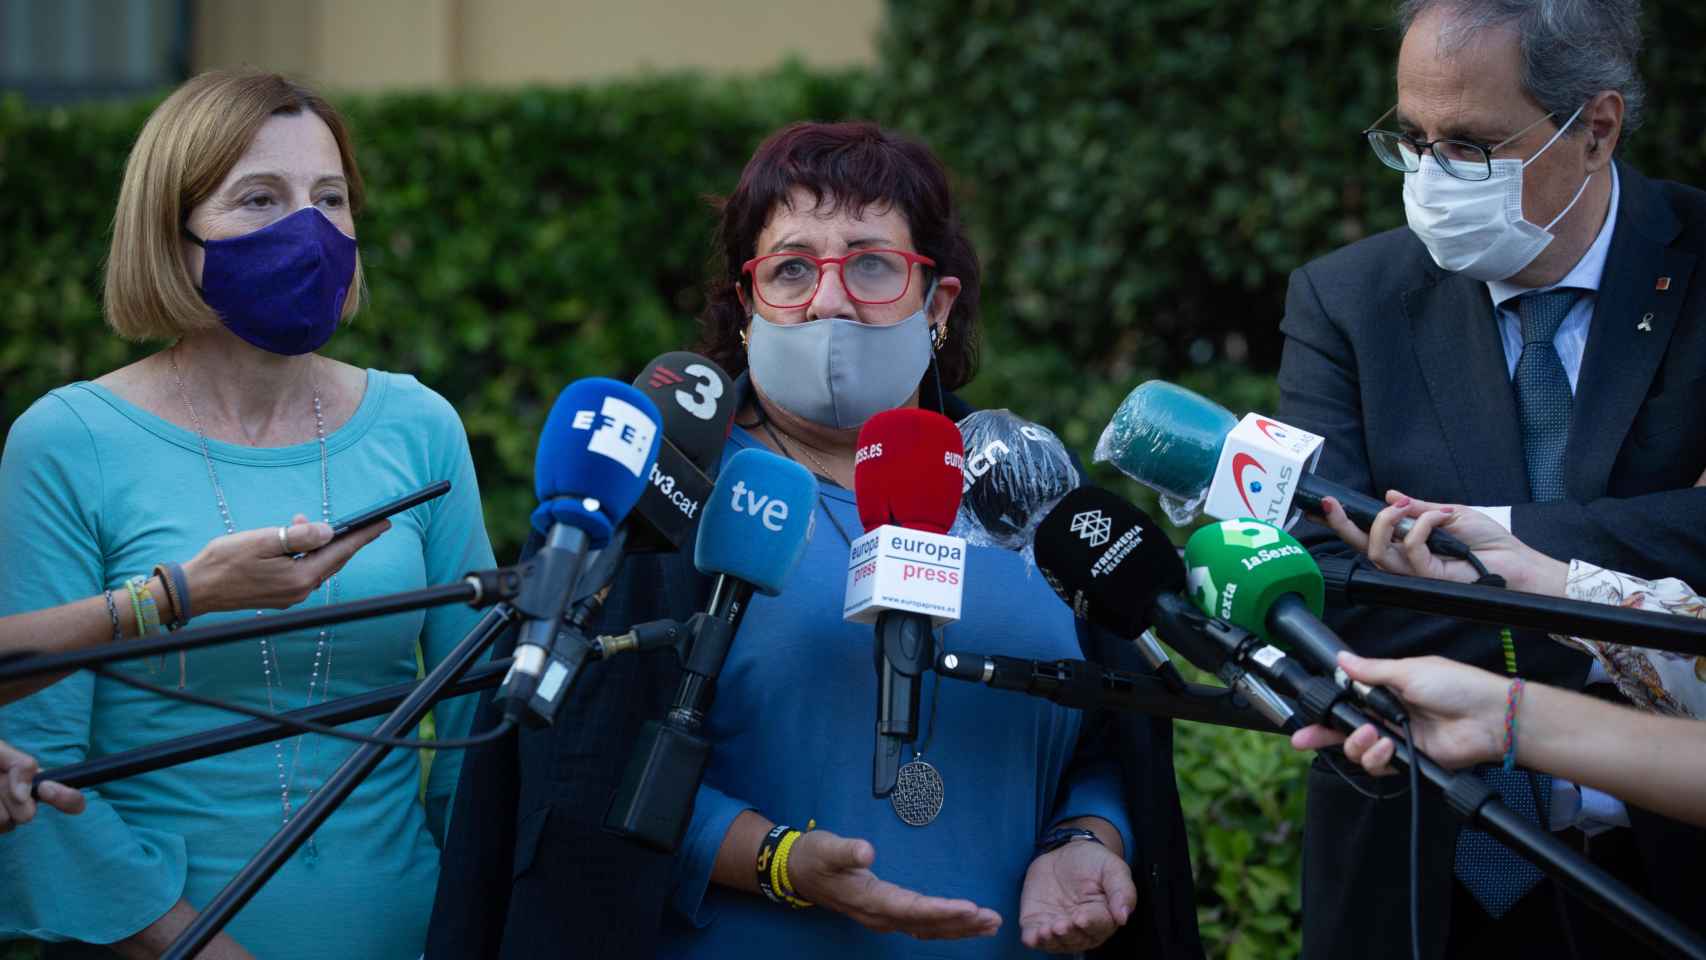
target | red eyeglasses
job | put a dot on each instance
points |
(788, 280)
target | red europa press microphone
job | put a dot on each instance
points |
(905, 575)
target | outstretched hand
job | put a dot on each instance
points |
(1075, 897)
(834, 872)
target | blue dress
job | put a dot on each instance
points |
(792, 732)
(94, 490)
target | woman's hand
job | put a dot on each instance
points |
(253, 569)
(1075, 897)
(17, 770)
(1456, 713)
(1523, 567)
(835, 873)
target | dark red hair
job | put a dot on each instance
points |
(858, 164)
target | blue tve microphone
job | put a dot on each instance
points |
(753, 533)
(595, 453)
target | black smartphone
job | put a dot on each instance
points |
(378, 512)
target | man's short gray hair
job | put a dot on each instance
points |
(1571, 49)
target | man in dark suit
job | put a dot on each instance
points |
(1531, 344)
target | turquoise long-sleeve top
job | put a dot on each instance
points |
(792, 730)
(94, 490)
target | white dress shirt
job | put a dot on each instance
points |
(1584, 807)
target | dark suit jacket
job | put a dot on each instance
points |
(528, 870)
(1399, 365)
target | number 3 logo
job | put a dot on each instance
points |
(702, 402)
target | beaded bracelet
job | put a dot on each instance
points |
(112, 611)
(1512, 700)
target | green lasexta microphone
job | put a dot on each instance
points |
(1256, 576)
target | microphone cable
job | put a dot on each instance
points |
(305, 726)
(1485, 577)
(1415, 847)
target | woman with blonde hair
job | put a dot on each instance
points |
(234, 240)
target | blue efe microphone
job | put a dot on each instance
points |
(599, 443)
(595, 452)
(757, 522)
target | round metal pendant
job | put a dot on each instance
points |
(918, 794)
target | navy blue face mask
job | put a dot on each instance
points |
(282, 287)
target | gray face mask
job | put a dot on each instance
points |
(838, 372)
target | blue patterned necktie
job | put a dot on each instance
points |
(1495, 876)
(1543, 392)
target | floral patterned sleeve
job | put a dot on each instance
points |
(1655, 680)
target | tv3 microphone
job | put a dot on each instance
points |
(1256, 576)
(756, 524)
(1171, 440)
(1109, 561)
(905, 574)
(697, 402)
(598, 444)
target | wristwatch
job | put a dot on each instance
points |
(1061, 836)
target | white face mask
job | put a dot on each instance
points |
(1476, 227)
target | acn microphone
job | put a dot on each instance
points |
(599, 441)
(757, 521)
(1256, 576)
(905, 574)
(1015, 472)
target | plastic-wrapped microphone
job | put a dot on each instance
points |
(1256, 576)
(1109, 562)
(1174, 441)
(1016, 471)
(753, 533)
(599, 441)
(905, 574)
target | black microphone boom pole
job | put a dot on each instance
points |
(237, 736)
(1356, 582)
(170, 753)
(482, 588)
(1083, 685)
(1323, 701)
(333, 792)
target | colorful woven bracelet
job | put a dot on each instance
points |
(1513, 699)
(142, 604)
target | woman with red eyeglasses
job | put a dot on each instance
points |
(847, 288)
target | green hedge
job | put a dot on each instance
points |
(1144, 175)
(1139, 177)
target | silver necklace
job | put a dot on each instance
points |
(270, 670)
(918, 792)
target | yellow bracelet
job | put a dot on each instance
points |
(780, 881)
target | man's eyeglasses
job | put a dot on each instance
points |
(788, 280)
(1462, 159)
